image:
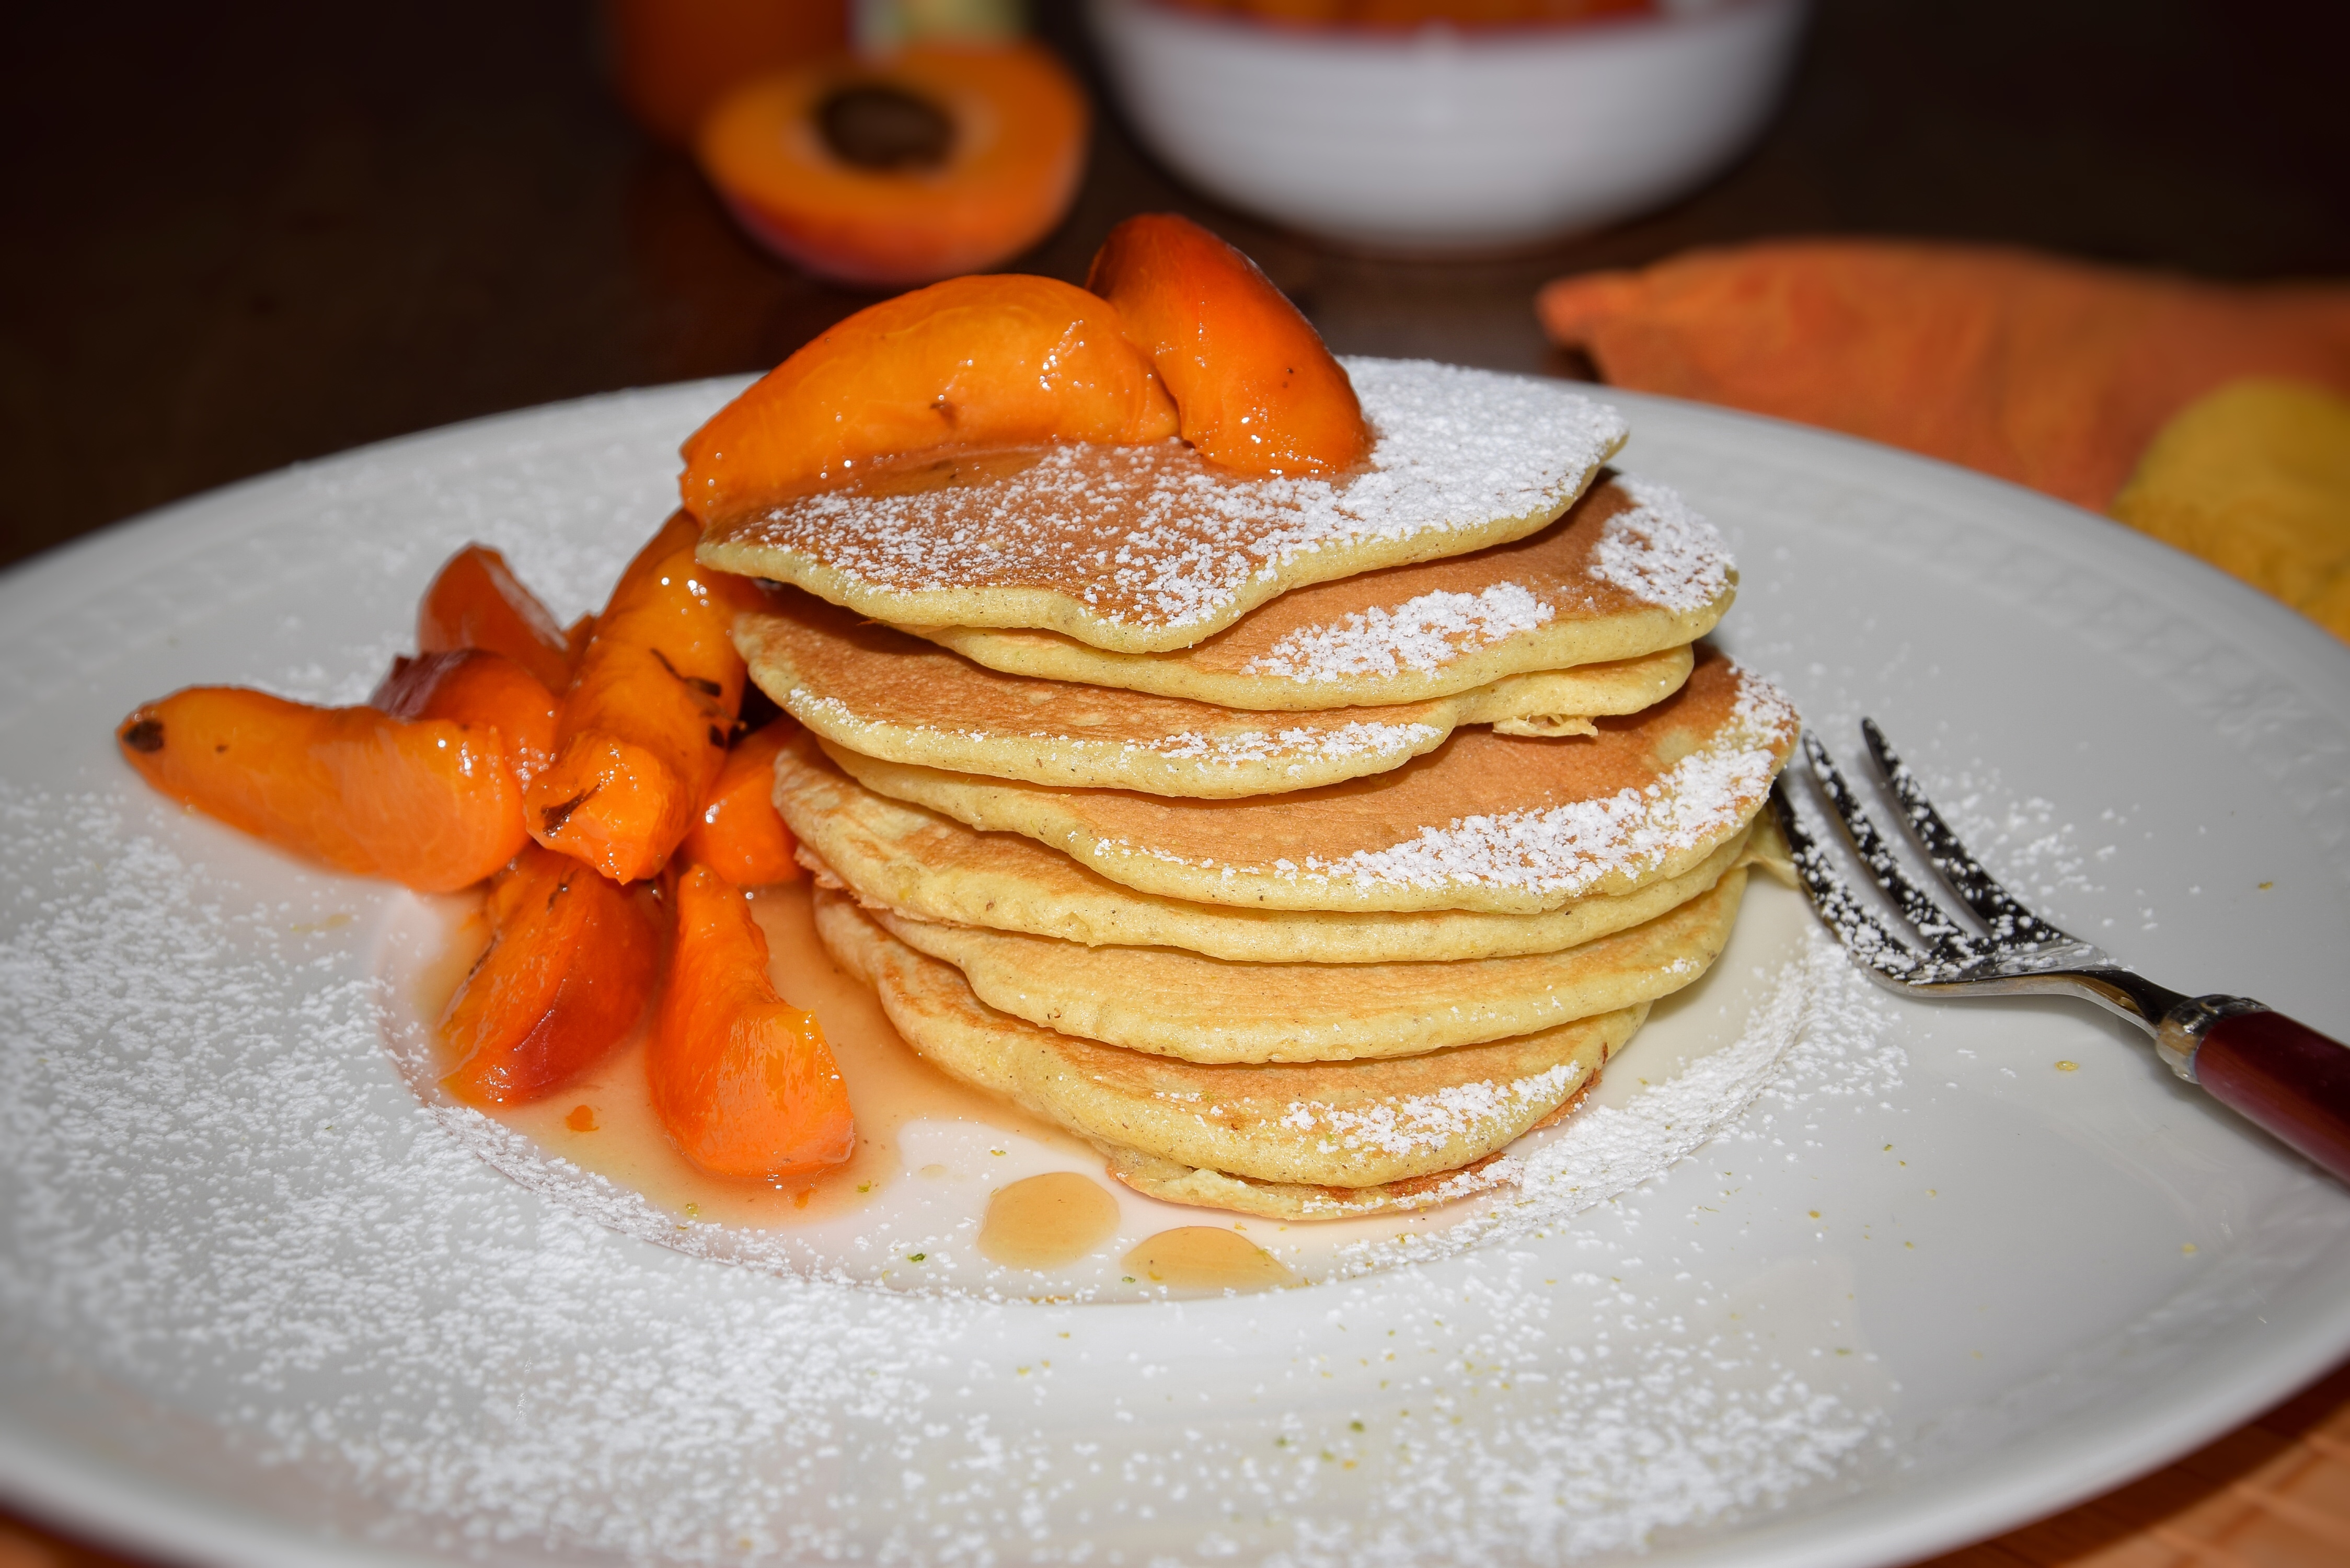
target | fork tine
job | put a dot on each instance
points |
(1944, 935)
(1998, 910)
(1854, 924)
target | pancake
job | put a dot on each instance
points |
(917, 863)
(1144, 548)
(1170, 1181)
(882, 693)
(1629, 570)
(1502, 825)
(1171, 1003)
(1339, 1124)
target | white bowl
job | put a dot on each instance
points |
(1441, 141)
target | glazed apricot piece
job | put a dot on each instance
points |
(648, 716)
(743, 1082)
(473, 686)
(476, 601)
(740, 835)
(937, 160)
(974, 362)
(428, 803)
(571, 963)
(1256, 388)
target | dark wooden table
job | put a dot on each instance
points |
(232, 238)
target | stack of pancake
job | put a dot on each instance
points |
(1300, 843)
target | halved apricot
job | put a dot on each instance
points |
(428, 801)
(937, 160)
(1256, 388)
(673, 59)
(740, 834)
(647, 719)
(570, 965)
(476, 601)
(972, 361)
(743, 1082)
(473, 686)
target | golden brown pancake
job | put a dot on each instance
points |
(882, 693)
(1342, 1124)
(917, 863)
(1171, 1003)
(1146, 548)
(1495, 823)
(1172, 1181)
(1627, 571)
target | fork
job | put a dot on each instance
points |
(2282, 1077)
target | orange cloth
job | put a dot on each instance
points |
(2051, 373)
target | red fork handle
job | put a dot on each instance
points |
(2282, 1077)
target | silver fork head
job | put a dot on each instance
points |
(2015, 951)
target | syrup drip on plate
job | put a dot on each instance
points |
(604, 1121)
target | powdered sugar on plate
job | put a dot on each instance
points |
(219, 1193)
(1153, 537)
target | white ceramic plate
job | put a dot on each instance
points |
(258, 1306)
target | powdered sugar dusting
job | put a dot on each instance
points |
(1660, 551)
(1152, 537)
(1569, 850)
(1418, 1124)
(215, 1180)
(1421, 633)
(1296, 745)
(1821, 1022)
(1573, 847)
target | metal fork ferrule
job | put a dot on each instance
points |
(2182, 1029)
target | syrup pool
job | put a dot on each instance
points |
(943, 1192)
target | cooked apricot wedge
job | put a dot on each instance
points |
(476, 601)
(1256, 388)
(974, 362)
(743, 1082)
(473, 687)
(648, 716)
(740, 834)
(937, 160)
(571, 963)
(425, 802)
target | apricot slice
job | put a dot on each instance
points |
(476, 601)
(427, 801)
(743, 1082)
(1256, 388)
(974, 362)
(473, 686)
(941, 159)
(740, 834)
(648, 717)
(570, 965)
